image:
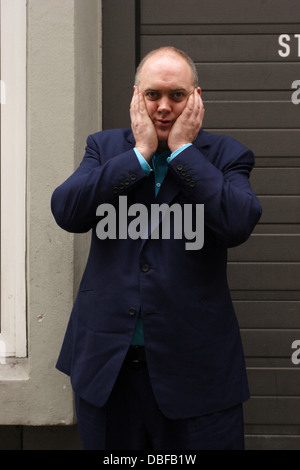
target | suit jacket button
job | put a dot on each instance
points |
(121, 186)
(145, 268)
(179, 167)
(192, 184)
(133, 177)
(132, 311)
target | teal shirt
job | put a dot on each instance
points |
(160, 167)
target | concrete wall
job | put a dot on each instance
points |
(63, 107)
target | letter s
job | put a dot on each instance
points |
(296, 354)
(281, 39)
(296, 94)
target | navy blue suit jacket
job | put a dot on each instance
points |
(192, 337)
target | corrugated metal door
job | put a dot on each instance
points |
(248, 58)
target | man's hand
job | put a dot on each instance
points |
(188, 124)
(143, 129)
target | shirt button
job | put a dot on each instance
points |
(132, 311)
(158, 185)
(145, 268)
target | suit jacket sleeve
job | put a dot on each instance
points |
(99, 179)
(221, 183)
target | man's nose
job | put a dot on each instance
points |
(164, 104)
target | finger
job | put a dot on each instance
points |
(191, 100)
(198, 105)
(135, 94)
(201, 111)
(142, 108)
(133, 99)
(198, 99)
(189, 106)
(141, 102)
(136, 108)
(202, 108)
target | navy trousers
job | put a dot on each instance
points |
(131, 420)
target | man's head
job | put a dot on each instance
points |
(166, 77)
(168, 50)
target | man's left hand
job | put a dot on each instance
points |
(189, 123)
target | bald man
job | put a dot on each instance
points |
(153, 347)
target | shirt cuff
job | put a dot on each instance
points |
(144, 164)
(174, 154)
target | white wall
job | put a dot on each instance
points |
(63, 107)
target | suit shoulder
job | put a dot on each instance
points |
(226, 144)
(109, 143)
(111, 135)
(225, 141)
(224, 150)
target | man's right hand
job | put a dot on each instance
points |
(143, 129)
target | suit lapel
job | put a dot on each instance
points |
(129, 137)
(202, 142)
(170, 188)
(145, 192)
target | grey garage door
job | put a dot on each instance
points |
(248, 58)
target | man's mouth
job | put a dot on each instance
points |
(163, 122)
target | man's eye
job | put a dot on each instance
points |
(152, 95)
(178, 96)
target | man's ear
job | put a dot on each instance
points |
(198, 90)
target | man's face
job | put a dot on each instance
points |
(166, 82)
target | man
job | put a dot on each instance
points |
(153, 346)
